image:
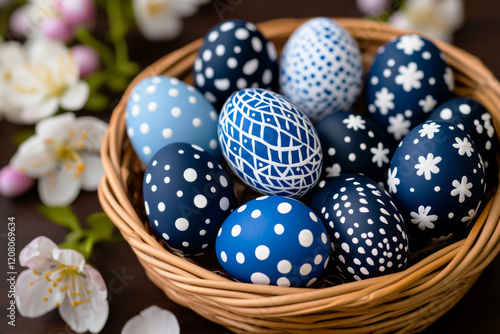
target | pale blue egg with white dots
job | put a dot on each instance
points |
(321, 68)
(162, 110)
(273, 240)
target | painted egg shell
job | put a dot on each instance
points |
(352, 143)
(234, 55)
(436, 177)
(369, 236)
(408, 78)
(163, 110)
(321, 69)
(187, 196)
(269, 143)
(470, 116)
(273, 240)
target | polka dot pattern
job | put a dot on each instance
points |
(184, 207)
(321, 69)
(220, 70)
(163, 110)
(365, 227)
(273, 240)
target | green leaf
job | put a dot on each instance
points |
(63, 216)
(101, 227)
(21, 136)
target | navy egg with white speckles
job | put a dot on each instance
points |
(321, 68)
(352, 143)
(234, 55)
(269, 143)
(162, 110)
(187, 196)
(409, 77)
(472, 117)
(368, 234)
(273, 240)
(437, 179)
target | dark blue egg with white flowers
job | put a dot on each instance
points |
(269, 143)
(437, 179)
(352, 143)
(472, 117)
(234, 55)
(321, 68)
(273, 240)
(187, 196)
(162, 110)
(409, 77)
(368, 234)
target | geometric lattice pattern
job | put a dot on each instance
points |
(270, 143)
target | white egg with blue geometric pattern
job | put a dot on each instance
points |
(321, 68)
(269, 143)
(162, 110)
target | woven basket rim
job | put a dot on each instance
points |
(460, 261)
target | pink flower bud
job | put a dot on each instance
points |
(14, 183)
(57, 29)
(87, 59)
(77, 11)
(371, 7)
(20, 23)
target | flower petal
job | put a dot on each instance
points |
(32, 158)
(98, 299)
(161, 24)
(55, 127)
(34, 300)
(69, 257)
(152, 320)
(76, 96)
(59, 189)
(89, 130)
(93, 172)
(36, 254)
(33, 113)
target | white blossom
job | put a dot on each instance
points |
(152, 320)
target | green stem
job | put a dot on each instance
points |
(103, 50)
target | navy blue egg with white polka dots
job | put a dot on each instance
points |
(437, 179)
(234, 55)
(269, 143)
(273, 240)
(353, 143)
(409, 77)
(472, 117)
(187, 196)
(162, 110)
(321, 68)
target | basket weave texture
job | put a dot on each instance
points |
(403, 302)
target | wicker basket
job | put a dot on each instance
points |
(407, 301)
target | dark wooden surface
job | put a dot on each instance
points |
(129, 289)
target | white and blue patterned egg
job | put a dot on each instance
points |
(321, 68)
(162, 110)
(437, 180)
(269, 143)
(352, 143)
(368, 234)
(472, 117)
(409, 77)
(234, 55)
(273, 240)
(187, 196)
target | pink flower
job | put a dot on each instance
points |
(14, 183)
(58, 29)
(87, 59)
(77, 12)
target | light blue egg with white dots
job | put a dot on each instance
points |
(162, 110)
(273, 240)
(321, 68)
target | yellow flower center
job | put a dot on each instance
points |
(156, 7)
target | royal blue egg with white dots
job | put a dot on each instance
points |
(409, 77)
(187, 196)
(273, 240)
(472, 117)
(269, 143)
(162, 110)
(321, 68)
(437, 179)
(352, 143)
(368, 234)
(234, 55)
